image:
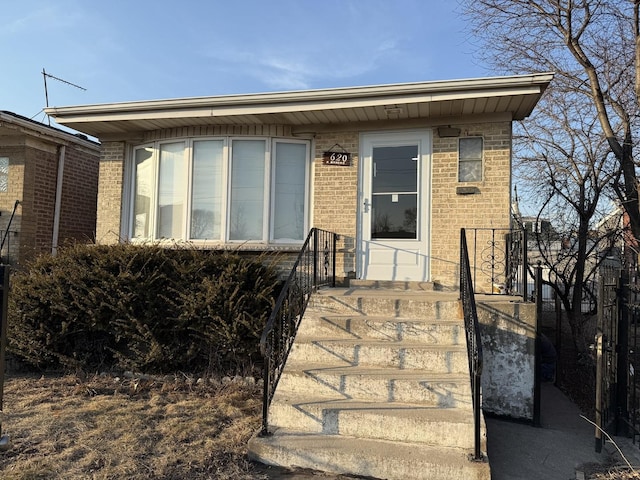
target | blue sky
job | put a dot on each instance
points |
(142, 50)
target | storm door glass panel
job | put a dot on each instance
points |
(289, 190)
(394, 200)
(206, 189)
(246, 212)
(143, 192)
(171, 191)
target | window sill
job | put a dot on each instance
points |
(467, 190)
(230, 246)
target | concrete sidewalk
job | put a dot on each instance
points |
(554, 451)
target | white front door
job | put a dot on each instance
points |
(394, 206)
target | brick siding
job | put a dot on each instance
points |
(335, 191)
(33, 176)
(110, 190)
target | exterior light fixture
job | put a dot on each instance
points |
(448, 132)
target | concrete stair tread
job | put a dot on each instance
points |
(390, 460)
(427, 296)
(388, 372)
(311, 315)
(376, 342)
(396, 409)
(377, 384)
(402, 422)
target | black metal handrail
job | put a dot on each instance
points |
(474, 344)
(314, 267)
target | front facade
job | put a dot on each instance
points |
(395, 170)
(48, 188)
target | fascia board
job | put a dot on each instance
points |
(188, 108)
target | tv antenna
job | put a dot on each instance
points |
(46, 92)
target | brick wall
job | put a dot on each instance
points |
(335, 191)
(33, 176)
(16, 155)
(335, 194)
(110, 192)
(79, 190)
(451, 211)
(39, 201)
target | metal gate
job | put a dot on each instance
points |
(606, 354)
(616, 406)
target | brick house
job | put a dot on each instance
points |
(396, 170)
(48, 187)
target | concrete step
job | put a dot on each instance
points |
(392, 285)
(366, 457)
(400, 355)
(412, 423)
(407, 304)
(382, 328)
(375, 384)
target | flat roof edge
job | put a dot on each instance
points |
(541, 80)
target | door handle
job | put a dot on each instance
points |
(366, 205)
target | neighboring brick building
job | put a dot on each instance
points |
(48, 186)
(251, 171)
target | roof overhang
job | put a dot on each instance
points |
(14, 125)
(515, 96)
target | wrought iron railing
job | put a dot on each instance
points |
(474, 343)
(8, 249)
(606, 351)
(498, 260)
(314, 267)
(5, 235)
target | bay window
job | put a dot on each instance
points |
(220, 190)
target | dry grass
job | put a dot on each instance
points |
(615, 473)
(68, 427)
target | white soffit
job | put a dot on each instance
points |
(515, 95)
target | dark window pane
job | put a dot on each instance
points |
(394, 216)
(395, 169)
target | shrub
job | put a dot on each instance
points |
(143, 308)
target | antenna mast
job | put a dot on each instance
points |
(46, 92)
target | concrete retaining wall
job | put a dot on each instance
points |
(508, 341)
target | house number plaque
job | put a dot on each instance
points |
(342, 159)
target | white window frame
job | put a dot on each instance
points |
(268, 200)
(133, 189)
(307, 162)
(265, 189)
(224, 194)
(186, 188)
(480, 160)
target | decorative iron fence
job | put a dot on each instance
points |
(474, 343)
(498, 260)
(314, 267)
(8, 248)
(610, 350)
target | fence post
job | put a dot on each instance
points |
(525, 264)
(315, 258)
(333, 266)
(598, 406)
(622, 370)
(558, 312)
(537, 350)
(4, 278)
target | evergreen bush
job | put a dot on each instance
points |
(141, 308)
